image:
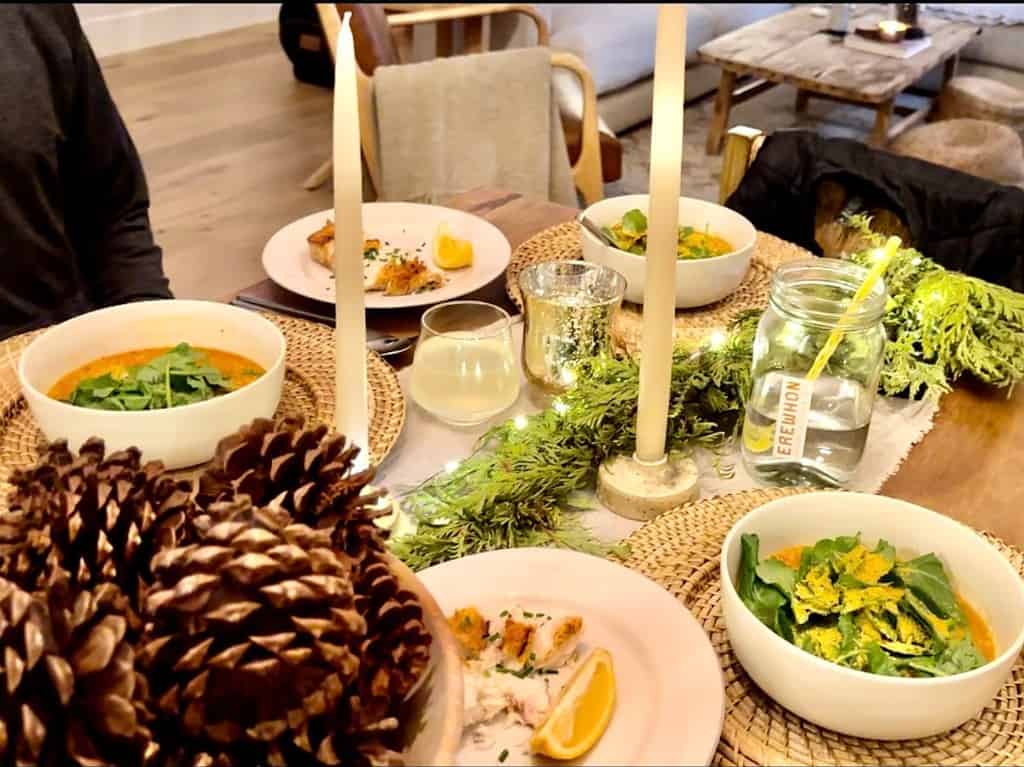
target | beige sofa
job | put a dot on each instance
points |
(616, 41)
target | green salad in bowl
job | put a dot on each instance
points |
(865, 609)
(630, 234)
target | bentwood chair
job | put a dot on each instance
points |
(595, 157)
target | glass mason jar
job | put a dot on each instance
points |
(800, 432)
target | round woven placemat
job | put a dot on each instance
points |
(680, 550)
(562, 243)
(308, 391)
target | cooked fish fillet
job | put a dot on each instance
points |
(470, 629)
(555, 640)
(516, 639)
(402, 277)
(321, 245)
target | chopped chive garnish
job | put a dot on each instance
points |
(503, 614)
(503, 755)
(527, 615)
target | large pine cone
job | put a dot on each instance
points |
(100, 518)
(253, 643)
(309, 472)
(395, 653)
(70, 695)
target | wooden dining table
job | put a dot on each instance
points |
(965, 467)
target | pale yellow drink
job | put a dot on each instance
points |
(464, 379)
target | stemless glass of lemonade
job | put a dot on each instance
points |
(465, 370)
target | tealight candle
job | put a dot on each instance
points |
(891, 30)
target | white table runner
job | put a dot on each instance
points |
(427, 445)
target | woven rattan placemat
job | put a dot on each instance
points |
(680, 550)
(308, 391)
(562, 243)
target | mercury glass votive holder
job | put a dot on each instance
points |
(569, 307)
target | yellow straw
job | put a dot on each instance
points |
(836, 336)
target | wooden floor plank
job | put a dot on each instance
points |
(226, 135)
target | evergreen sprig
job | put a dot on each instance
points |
(942, 324)
(516, 488)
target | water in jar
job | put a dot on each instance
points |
(837, 431)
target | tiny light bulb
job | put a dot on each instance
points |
(451, 466)
(560, 407)
(520, 422)
(568, 377)
(717, 339)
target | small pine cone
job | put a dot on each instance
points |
(253, 641)
(100, 518)
(308, 472)
(395, 652)
(71, 696)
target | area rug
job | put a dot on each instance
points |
(771, 111)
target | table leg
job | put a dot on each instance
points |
(720, 118)
(802, 97)
(880, 134)
(949, 68)
(473, 35)
(445, 39)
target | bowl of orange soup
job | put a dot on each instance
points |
(910, 638)
(170, 377)
(715, 247)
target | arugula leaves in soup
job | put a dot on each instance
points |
(865, 609)
(154, 379)
(630, 234)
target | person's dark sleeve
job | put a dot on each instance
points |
(107, 199)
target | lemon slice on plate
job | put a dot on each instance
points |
(582, 713)
(451, 252)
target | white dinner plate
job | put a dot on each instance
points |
(670, 699)
(404, 225)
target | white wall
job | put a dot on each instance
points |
(116, 28)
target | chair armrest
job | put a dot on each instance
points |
(741, 147)
(472, 11)
(587, 170)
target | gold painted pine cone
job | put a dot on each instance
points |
(252, 647)
(309, 472)
(99, 517)
(70, 695)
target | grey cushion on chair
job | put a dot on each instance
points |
(981, 148)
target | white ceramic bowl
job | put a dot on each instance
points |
(180, 436)
(698, 282)
(855, 702)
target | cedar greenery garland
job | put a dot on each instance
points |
(517, 488)
(514, 490)
(943, 324)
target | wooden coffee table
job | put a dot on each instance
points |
(792, 48)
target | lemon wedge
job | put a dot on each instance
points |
(451, 252)
(758, 439)
(582, 713)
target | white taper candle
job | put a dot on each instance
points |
(662, 233)
(350, 408)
